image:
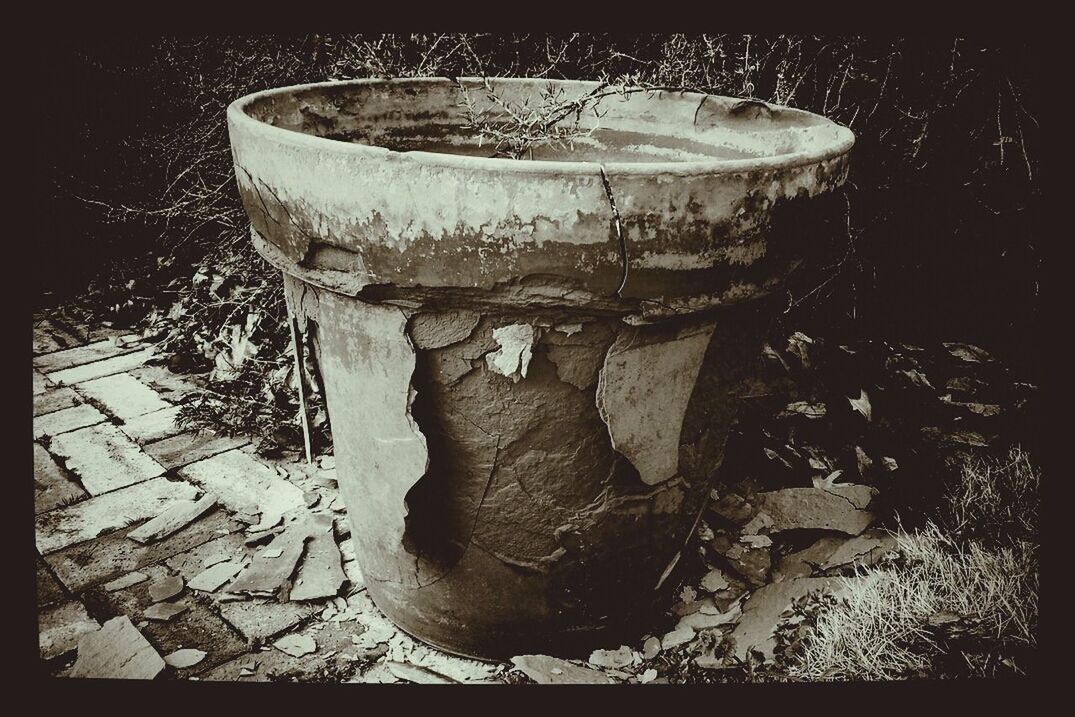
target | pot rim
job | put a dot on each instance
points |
(238, 117)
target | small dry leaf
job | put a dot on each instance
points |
(828, 480)
(798, 344)
(862, 404)
(804, 408)
(917, 378)
(968, 353)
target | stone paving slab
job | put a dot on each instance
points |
(123, 395)
(63, 527)
(104, 458)
(55, 400)
(190, 563)
(66, 420)
(117, 651)
(61, 626)
(329, 663)
(41, 384)
(98, 369)
(109, 556)
(49, 589)
(198, 627)
(186, 448)
(53, 488)
(80, 355)
(170, 385)
(153, 426)
(244, 484)
(258, 620)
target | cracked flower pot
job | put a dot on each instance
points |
(529, 364)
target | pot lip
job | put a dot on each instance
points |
(238, 117)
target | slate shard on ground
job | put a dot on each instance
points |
(164, 611)
(833, 553)
(125, 581)
(321, 574)
(61, 627)
(679, 636)
(418, 674)
(296, 645)
(614, 659)
(210, 579)
(166, 588)
(266, 575)
(546, 670)
(174, 518)
(245, 485)
(118, 651)
(182, 659)
(756, 628)
(840, 508)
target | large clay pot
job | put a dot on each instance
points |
(528, 363)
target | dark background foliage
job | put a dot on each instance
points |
(944, 199)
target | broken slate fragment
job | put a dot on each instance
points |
(546, 670)
(296, 645)
(181, 659)
(418, 674)
(125, 581)
(706, 620)
(677, 637)
(166, 588)
(861, 551)
(756, 628)
(840, 508)
(714, 581)
(803, 563)
(613, 659)
(733, 508)
(174, 518)
(267, 574)
(210, 579)
(321, 574)
(751, 563)
(117, 650)
(60, 628)
(164, 611)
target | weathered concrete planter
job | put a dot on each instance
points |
(527, 363)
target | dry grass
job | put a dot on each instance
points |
(961, 601)
(995, 500)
